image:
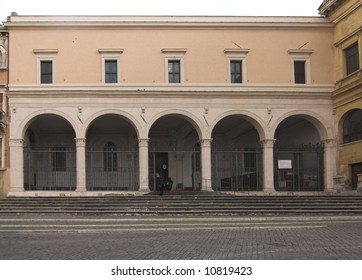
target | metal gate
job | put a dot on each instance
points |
(299, 168)
(50, 168)
(112, 170)
(237, 170)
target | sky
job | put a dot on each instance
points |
(161, 7)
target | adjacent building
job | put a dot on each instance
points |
(347, 96)
(4, 45)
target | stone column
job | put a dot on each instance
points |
(205, 145)
(81, 164)
(330, 164)
(143, 165)
(268, 165)
(16, 165)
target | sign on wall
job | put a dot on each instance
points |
(284, 164)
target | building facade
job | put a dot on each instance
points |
(103, 105)
(347, 96)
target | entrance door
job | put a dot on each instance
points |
(356, 169)
(161, 168)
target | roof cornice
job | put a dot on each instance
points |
(328, 6)
(164, 22)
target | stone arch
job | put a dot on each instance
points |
(24, 125)
(254, 119)
(196, 123)
(49, 153)
(299, 151)
(174, 153)
(325, 132)
(128, 117)
(236, 153)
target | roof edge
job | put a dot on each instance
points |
(57, 20)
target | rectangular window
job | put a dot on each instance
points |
(174, 71)
(59, 159)
(111, 71)
(299, 72)
(236, 72)
(352, 59)
(46, 72)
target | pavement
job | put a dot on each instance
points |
(74, 237)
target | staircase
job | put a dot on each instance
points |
(185, 204)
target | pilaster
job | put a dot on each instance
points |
(205, 145)
(268, 165)
(330, 164)
(81, 164)
(16, 165)
(143, 164)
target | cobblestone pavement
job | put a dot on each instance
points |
(180, 238)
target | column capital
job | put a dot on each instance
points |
(329, 142)
(80, 142)
(16, 142)
(267, 143)
(143, 142)
(205, 142)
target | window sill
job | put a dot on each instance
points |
(351, 143)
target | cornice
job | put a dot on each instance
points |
(356, 32)
(15, 22)
(190, 91)
(328, 6)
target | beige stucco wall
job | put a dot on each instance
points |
(142, 61)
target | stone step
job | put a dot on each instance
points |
(184, 204)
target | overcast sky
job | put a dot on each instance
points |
(161, 7)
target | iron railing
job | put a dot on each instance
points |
(237, 170)
(50, 168)
(299, 168)
(110, 170)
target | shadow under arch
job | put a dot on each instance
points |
(24, 125)
(236, 153)
(299, 153)
(189, 117)
(315, 119)
(49, 154)
(121, 114)
(112, 154)
(174, 151)
(253, 119)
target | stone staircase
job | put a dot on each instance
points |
(185, 204)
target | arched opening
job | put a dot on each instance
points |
(112, 155)
(236, 155)
(49, 154)
(174, 154)
(352, 135)
(298, 156)
(3, 58)
(352, 126)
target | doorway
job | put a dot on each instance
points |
(158, 169)
(355, 169)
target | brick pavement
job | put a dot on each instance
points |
(337, 239)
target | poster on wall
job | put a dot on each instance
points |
(284, 164)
